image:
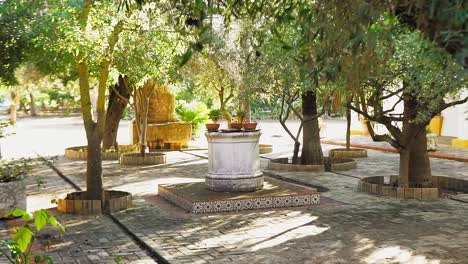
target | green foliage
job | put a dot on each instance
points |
(241, 114)
(215, 115)
(194, 113)
(19, 246)
(14, 170)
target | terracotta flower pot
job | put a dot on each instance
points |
(236, 125)
(212, 127)
(250, 126)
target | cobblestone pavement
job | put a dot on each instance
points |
(357, 228)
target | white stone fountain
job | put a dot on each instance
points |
(233, 162)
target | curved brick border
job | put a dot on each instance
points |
(114, 201)
(284, 165)
(77, 153)
(337, 164)
(393, 150)
(347, 153)
(265, 148)
(136, 159)
(375, 185)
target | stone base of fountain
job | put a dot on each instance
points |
(195, 197)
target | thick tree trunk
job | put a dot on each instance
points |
(114, 113)
(419, 170)
(144, 126)
(94, 182)
(32, 105)
(348, 128)
(311, 148)
(404, 168)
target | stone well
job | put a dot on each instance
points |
(164, 130)
(233, 161)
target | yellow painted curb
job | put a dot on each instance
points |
(357, 132)
(463, 143)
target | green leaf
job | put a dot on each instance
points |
(23, 237)
(40, 220)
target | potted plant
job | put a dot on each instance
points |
(214, 115)
(240, 114)
(13, 194)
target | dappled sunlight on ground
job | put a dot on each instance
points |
(396, 254)
(266, 235)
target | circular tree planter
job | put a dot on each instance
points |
(80, 153)
(151, 158)
(266, 148)
(75, 203)
(330, 164)
(348, 153)
(386, 186)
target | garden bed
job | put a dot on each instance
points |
(151, 158)
(386, 186)
(330, 164)
(81, 153)
(348, 153)
(76, 203)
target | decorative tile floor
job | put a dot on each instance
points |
(196, 198)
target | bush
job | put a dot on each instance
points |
(195, 113)
(10, 171)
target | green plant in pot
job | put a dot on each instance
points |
(214, 115)
(240, 115)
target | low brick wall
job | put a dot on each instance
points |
(375, 185)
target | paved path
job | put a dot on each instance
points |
(352, 228)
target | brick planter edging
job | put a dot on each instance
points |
(114, 201)
(284, 165)
(375, 185)
(265, 148)
(151, 158)
(77, 153)
(340, 164)
(393, 150)
(347, 153)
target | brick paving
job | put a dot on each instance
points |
(354, 228)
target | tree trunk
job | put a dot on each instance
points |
(114, 113)
(295, 158)
(32, 105)
(13, 113)
(144, 126)
(404, 168)
(311, 148)
(419, 170)
(94, 182)
(348, 128)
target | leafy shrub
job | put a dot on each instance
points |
(194, 113)
(214, 115)
(19, 245)
(13, 170)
